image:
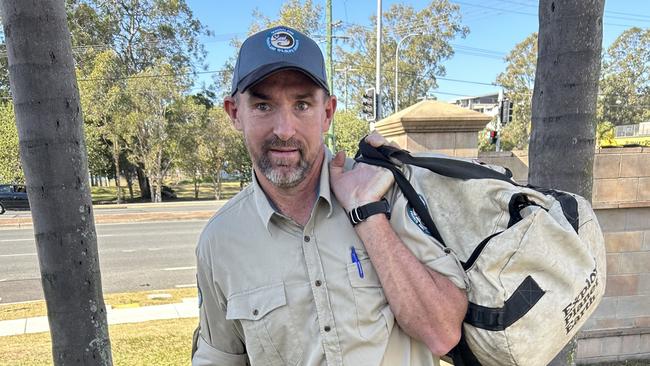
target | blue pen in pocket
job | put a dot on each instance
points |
(355, 260)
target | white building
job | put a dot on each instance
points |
(487, 104)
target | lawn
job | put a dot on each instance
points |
(184, 192)
(160, 343)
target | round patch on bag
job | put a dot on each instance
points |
(416, 218)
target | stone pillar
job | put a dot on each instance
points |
(433, 126)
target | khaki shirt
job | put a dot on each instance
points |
(275, 293)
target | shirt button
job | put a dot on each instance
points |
(318, 283)
(255, 312)
(307, 239)
(327, 328)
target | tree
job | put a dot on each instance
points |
(305, 17)
(86, 28)
(191, 115)
(146, 32)
(625, 82)
(52, 149)
(143, 33)
(349, 129)
(10, 168)
(420, 56)
(150, 123)
(518, 81)
(564, 102)
(104, 100)
(238, 160)
(216, 139)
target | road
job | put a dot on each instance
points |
(133, 257)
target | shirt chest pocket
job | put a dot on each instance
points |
(374, 317)
(269, 331)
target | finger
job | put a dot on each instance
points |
(336, 166)
(376, 140)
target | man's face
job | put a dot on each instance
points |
(283, 119)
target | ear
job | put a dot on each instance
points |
(230, 106)
(330, 108)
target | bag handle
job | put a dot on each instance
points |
(447, 167)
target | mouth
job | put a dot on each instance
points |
(283, 152)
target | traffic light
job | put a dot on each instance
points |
(369, 105)
(506, 111)
(493, 137)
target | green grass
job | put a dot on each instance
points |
(184, 191)
(117, 300)
(160, 342)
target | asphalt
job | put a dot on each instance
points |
(188, 308)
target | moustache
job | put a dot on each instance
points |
(277, 143)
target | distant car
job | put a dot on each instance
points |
(167, 192)
(13, 197)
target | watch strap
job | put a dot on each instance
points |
(361, 213)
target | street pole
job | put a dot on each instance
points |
(397, 70)
(345, 72)
(378, 113)
(499, 116)
(330, 69)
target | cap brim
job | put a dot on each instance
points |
(265, 71)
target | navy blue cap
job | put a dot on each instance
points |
(275, 49)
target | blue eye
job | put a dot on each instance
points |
(302, 106)
(262, 107)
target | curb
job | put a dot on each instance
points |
(24, 222)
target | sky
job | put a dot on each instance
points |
(495, 27)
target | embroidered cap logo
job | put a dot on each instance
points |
(282, 40)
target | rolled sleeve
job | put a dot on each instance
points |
(206, 355)
(220, 341)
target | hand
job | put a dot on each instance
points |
(362, 184)
(376, 140)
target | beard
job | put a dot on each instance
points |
(283, 173)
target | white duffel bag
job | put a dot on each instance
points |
(534, 259)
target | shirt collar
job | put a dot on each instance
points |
(266, 208)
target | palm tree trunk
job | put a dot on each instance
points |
(53, 154)
(564, 98)
(564, 103)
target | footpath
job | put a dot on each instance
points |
(132, 212)
(188, 308)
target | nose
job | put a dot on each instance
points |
(285, 124)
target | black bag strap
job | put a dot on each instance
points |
(452, 168)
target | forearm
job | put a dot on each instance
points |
(427, 305)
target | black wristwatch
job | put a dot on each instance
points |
(361, 213)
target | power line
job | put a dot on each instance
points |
(630, 14)
(153, 76)
(436, 76)
(503, 10)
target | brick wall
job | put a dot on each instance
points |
(620, 327)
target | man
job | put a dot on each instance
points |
(284, 276)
